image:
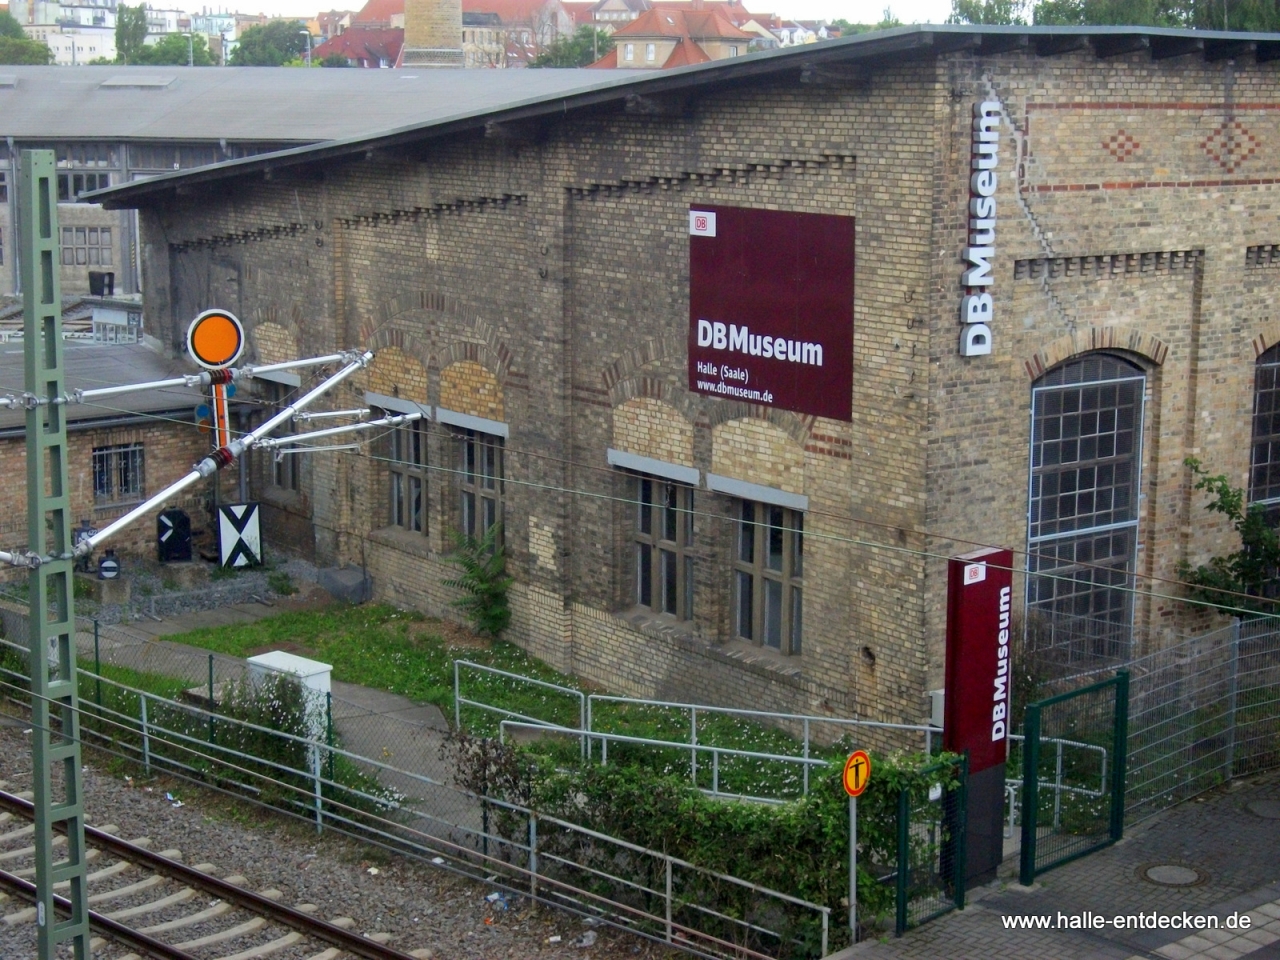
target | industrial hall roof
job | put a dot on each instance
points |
(249, 103)
(455, 108)
(88, 364)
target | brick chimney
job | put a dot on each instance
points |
(432, 33)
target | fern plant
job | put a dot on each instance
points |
(482, 563)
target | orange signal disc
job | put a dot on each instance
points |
(857, 773)
(215, 339)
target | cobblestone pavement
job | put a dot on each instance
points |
(1230, 836)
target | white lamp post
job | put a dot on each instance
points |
(308, 34)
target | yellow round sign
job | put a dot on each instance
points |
(857, 773)
(215, 339)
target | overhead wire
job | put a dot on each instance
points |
(314, 375)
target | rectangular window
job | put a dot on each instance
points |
(733, 51)
(650, 51)
(86, 246)
(284, 467)
(118, 474)
(663, 545)
(4, 187)
(629, 51)
(480, 481)
(769, 576)
(408, 476)
(71, 185)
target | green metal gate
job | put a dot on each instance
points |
(1073, 774)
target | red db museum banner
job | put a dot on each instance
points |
(771, 308)
(979, 605)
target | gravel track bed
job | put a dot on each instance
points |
(419, 905)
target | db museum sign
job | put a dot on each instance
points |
(976, 705)
(771, 308)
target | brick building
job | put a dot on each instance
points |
(1063, 282)
(122, 449)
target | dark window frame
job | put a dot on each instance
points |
(408, 460)
(761, 586)
(481, 480)
(1264, 458)
(662, 546)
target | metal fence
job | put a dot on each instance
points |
(1201, 711)
(930, 876)
(688, 730)
(1085, 810)
(362, 795)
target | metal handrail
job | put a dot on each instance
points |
(1058, 787)
(716, 752)
(530, 848)
(459, 700)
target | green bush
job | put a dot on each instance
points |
(800, 847)
(482, 580)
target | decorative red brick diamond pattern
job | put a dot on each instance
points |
(1121, 145)
(1230, 145)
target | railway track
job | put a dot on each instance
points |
(145, 904)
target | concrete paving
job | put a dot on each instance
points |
(1220, 841)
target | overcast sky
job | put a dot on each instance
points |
(855, 11)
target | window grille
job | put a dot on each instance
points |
(1086, 443)
(118, 474)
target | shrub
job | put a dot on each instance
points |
(483, 580)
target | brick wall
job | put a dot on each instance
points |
(545, 283)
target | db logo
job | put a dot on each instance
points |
(974, 573)
(702, 223)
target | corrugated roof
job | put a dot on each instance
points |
(252, 103)
(583, 89)
(88, 364)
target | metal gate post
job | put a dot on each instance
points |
(1232, 697)
(1030, 792)
(1120, 740)
(904, 862)
(533, 855)
(55, 708)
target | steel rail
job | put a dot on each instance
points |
(149, 946)
(354, 943)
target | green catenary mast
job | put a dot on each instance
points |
(55, 718)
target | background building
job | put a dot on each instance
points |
(1054, 253)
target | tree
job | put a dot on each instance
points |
(848, 29)
(26, 52)
(270, 45)
(11, 28)
(1246, 578)
(575, 50)
(335, 60)
(989, 11)
(173, 49)
(131, 32)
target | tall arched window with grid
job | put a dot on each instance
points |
(1086, 446)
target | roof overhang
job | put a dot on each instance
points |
(866, 51)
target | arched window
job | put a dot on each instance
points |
(1264, 473)
(1086, 445)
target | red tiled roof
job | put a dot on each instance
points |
(736, 13)
(686, 52)
(379, 11)
(676, 23)
(362, 43)
(582, 11)
(608, 61)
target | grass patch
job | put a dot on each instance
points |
(377, 646)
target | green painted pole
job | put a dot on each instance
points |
(1120, 742)
(904, 862)
(97, 668)
(212, 732)
(55, 717)
(1030, 793)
